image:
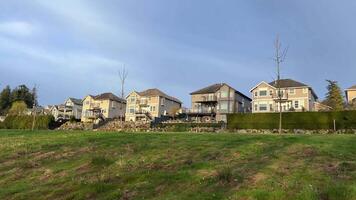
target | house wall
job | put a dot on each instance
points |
(351, 95)
(299, 98)
(156, 106)
(109, 109)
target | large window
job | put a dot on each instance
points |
(292, 91)
(263, 107)
(223, 106)
(263, 93)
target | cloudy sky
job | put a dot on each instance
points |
(76, 47)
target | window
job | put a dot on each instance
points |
(132, 99)
(113, 105)
(271, 92)
(291, 91)
(271, 107)
(87, 102)
(296, 104)
(263, 107)
(224, 94)
(132, 110)
(163, 101)
(256, 94)
(223, 106)
(153, 108)
(305, 90)
(256, 107)
(263, 92)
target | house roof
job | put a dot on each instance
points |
(352, 88)
(285, 83)
(157, 92)
(216, 87)
(76, 101)
(210, 89)
(108, 96)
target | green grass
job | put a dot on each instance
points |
(94, 165)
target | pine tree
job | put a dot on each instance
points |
(334, 96)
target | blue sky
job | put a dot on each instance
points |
(75, 48)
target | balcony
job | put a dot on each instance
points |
(143, 102)
(202, 111)
(206, 99)
(283, 97)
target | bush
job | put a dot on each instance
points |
(293, 120)
(183, 127)
(25, 122)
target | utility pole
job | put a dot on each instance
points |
(34, 109)
(279, 58)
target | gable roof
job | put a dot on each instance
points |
(76, 101)
(352, 88)
(109, 96)
(210, 89)
(157, 92)
(216, 87)
(285, 83)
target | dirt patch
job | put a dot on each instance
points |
(84, 168)
(206, 173)
(259, 177)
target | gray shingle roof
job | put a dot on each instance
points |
(210, 89)
(157, 92)
(285, 83)
(76, 101)
(214, 88)
(110, 96)
(352, 88)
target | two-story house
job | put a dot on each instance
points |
(351, 95)
(294, 96)
(214, 102)
(72, 107)
(150, 104)
(102, 107)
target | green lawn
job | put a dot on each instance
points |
(93, 165)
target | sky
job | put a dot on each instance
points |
(72, 48)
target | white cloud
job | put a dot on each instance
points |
(17, 28)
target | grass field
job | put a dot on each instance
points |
(93, 165)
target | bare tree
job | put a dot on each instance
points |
(123, 73)
(34, 107)
(280, 55)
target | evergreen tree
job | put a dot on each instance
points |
(5, 100)
(334, 97)
(22, 93)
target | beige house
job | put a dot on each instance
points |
(102, 107)
(72, 107)
(214, 102)
(351, 95)
(295, 96)
(150, 104)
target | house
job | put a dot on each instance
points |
(351, 95)
(294, 96)
(150, 104)
(214, 102)
(102, 107)
(72, 107)
(320, 107)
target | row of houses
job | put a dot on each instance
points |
(211, 103)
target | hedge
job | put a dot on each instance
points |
(293, 120)
(25, 122)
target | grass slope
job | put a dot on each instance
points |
(92, 165)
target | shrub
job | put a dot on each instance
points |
(293, 120)
(25, 122)
(183, 127)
